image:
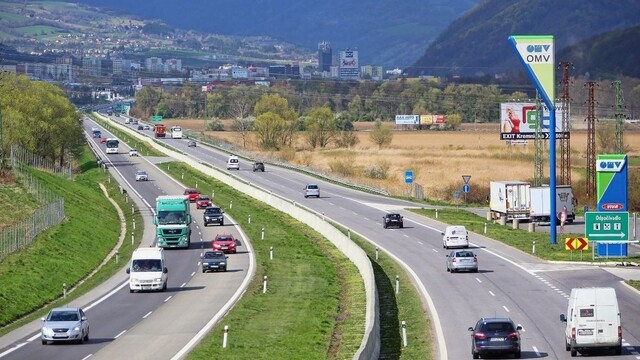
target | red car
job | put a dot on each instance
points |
(193, 194)
(203, 202)
(103, 140)
(224, 242)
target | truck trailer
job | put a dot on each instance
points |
(172, 221)
(540, 209)
(160, 130)
(509, 200)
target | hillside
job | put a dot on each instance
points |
(477, 43)
(385, 33)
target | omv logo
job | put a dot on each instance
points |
(609, 165)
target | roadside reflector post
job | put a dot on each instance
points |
(64, 290)
(134, 223)
(225, 336)
(231, 204)
(196, 184)
(322, 216)
(133, 209)
(117, 257)
(132, 238)
(349, 233)
(404, 333)
(249, 218)
(264, 284)
(485, 228)
(533, 248)
(213, 194)
(377, 251)
(182, 176)
(436, 213)
(262, 234)
(398, 285)
(271, 253)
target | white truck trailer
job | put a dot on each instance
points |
(509, 199)
(541, 204)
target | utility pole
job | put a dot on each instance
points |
(565, 143)
(619, 118)
(591, 143)
(538, 174)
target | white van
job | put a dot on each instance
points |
(593, 320)
(455, 236)
(233, 163)
(148, 270)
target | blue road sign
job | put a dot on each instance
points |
(408, 177)
(466, 188)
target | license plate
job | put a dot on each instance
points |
(497, 339)
(585, 332)
(225, 247)
(59, 335)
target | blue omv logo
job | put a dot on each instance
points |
(609, 165)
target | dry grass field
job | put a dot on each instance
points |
(438, 159)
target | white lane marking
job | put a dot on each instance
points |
(16, 347)
(184, 284)
(434, 250)
(492, 294)
(478, 280)
(168, 298)
(535, 349)
(88, 356)
(147, 314)
(505, 308)
(407, 236)
(121, 333)
(420, 242)
(193, 273)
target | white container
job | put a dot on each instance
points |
(541, 204)
(509, 199)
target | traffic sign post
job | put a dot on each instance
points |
(408, 177)
(608, 226)
(156, 118)
(576, 244)
(465, 189)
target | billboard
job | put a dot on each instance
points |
(349, 59)
(612, 182)
(407, 119)
(518, 121)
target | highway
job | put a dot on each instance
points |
(165, 321)
(510, 283)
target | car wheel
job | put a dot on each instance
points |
(401, 226)
(517, 354)
(567, 346)
(574, 353)
(384, 226)
(44, 342)
(86, 337)
(305, 196)
(225, 269)
(618, 350)
(164, 286)
(475, 355)
(221, 223)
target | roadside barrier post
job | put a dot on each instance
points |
(133, 209)
(377, 251)
(224, 337)
(64, 290)
(485, 228)
(322, 216)
(398, 285)
(349, 233)
(132, 238)
(533, 248)
(196, 184)
(117, 257)
(264, 284)
(213, 194)
(249, 218)
(182, 176)
(262, 234)
(404, 333)
(436, 213)
(270, 252)
(134, 223)
(231, 204)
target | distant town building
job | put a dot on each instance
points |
(348, 64)
(284, 71)
(91, 66)
(372, 72)
(154, 65)
(121, 66)
(172, 65)
(239, 73)
(325, 57)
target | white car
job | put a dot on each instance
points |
(66, 324)
(455, 236)
(311, 190)
(233, 163)
(141, 175)
(133, 152)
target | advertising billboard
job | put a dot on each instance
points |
(349, 59)
(407, 119)
(432, 119)
(518, 121)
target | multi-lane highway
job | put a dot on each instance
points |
(510, 283)
(164, 322)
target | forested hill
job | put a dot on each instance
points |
(477, 42)
(388, 33)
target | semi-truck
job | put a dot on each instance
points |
(172, 221)
(509, 199)
(160, 130)
(540, 200)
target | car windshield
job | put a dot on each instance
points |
(146, 265)
(142, 173)
(497, 327)
(312, 187)
(394, 216)
(224, 238)
(464, 254)
(212, 211)
(63, 316)
(213, 255)
(203, 197)
(191, 192)
(170, 217)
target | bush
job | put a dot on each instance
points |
(343, 167)
(379, 171)
(215, 125)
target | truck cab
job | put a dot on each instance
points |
(172, 220)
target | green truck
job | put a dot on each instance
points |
(172, 221)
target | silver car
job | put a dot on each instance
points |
(462, 260)
(68, 324)
(312, 190)
(141, 175)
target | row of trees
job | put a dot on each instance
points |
(38, 117)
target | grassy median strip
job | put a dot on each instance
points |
(314, 304)
(32, 279)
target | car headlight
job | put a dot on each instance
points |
(157, 279)
(205, 263)
(76, 328)
(134, 281)
(223, 263)
(207, 218)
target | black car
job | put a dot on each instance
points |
(213, 215)
(495, 336)
(258, 166)
(392, 219)
(214, 261)
(140, 127)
